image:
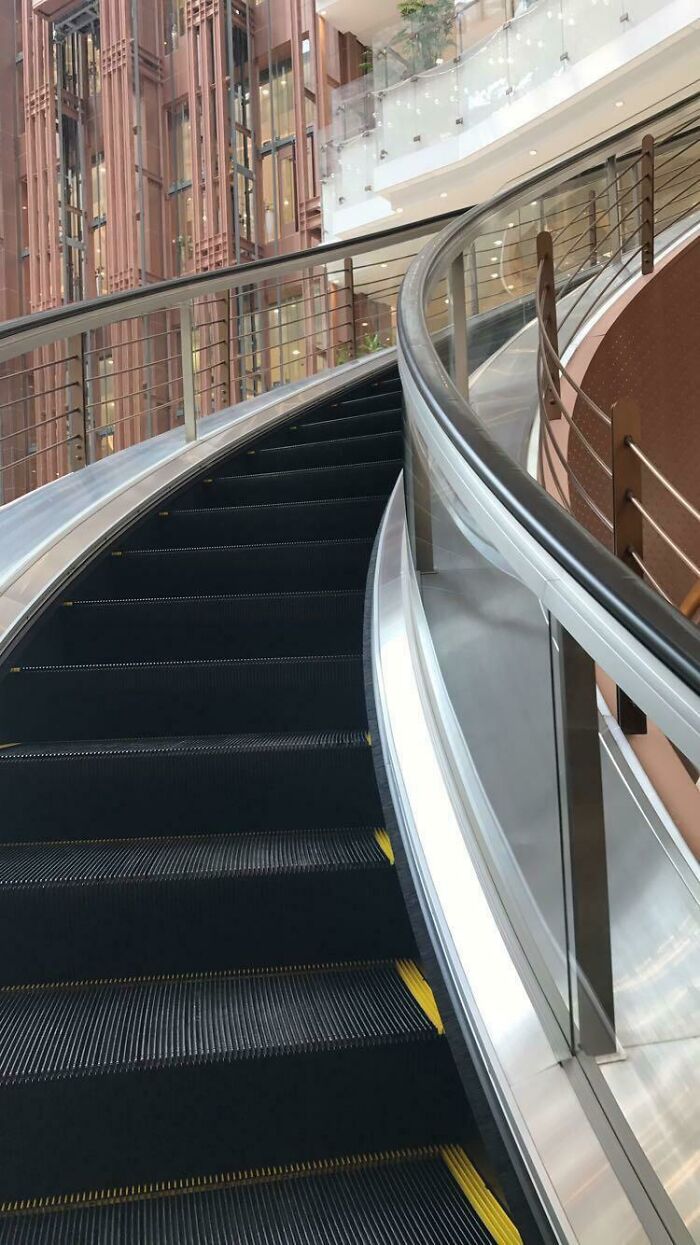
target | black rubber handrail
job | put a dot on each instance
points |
(617, 588)
(193, 285)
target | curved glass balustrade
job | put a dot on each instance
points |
(527, 625)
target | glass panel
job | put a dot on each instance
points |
(492, 644)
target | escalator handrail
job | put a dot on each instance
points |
(663, 631)
(28, 332)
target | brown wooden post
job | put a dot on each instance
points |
(646, 188)
(545, 260)
(628, 531)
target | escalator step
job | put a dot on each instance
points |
(329, 518)
(28, 866)
(406, 1198)
(237, 624)
(195, 903)
(187, 785)
(83, 1029)
(301, 484)
(274, 567)
(374, 447)
(386, 419)
(103, 701)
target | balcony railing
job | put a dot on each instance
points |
(414, 97)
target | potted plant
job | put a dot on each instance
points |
(430, 24)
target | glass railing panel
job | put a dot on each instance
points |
(589, 24)
(491, 642)
(483, 79)
(534, 47)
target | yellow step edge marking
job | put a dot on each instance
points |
(384, 842)
(489, 1210)
(203, 1184)
(368, 738)
(414, 981)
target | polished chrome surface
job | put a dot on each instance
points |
(585, 1200)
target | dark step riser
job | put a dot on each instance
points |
(182, 700)
(377, 399)
(312, 521)
(99, 796)
(213, 1118)
(249, 569)
(361, 480)
(351, 425)
(265, 627)
(326, 453)
(201, 925)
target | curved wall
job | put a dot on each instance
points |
(647, 347)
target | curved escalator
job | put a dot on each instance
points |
(212, 1024)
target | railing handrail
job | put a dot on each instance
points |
(28, 332)
(664, 632)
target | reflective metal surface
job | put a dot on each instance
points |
(585, 1199)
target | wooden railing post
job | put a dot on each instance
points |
(647, 204)
(545, 263)
(628, 531)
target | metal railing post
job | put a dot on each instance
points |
(186, 352)
(628, 530)
(646, 204)
(583, 826)
(592, 227)
(545, 262)
(419, 506)
(613, 205)
(460, 340)
(350, 287)
(75, 380)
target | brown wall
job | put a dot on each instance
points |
(649, 351)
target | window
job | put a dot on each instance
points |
(98, 210)
(276, 102)
(174, 21)
(180, 136)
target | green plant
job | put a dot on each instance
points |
(371, 342)
(430, 23)
(343, 353)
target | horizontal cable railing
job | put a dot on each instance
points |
(637, 203)
(83, 381)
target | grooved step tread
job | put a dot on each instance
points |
(403, 1198)
(251, 665)
(81, 1029)
(208, 745)
(369, 439)
(281, 506)
(303, 471)
(226, 598)
(346, 542)
(190, 857)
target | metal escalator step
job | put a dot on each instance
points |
(106, 700)
(216, 625)
(197, 903)
(385, 418)
(373, 447)
(302, 483)
(403, 1198)
(190, 858)
(270, 566)
(83, 1029)
(328, 517)
(187, 785)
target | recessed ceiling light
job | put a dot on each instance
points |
(533, 151)
(296, 352)
(364, 324)
(511, 224)
(399, 211)
(619, 103)
(383, 265)
(443, 194)
(493, 276)
(493, 259)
